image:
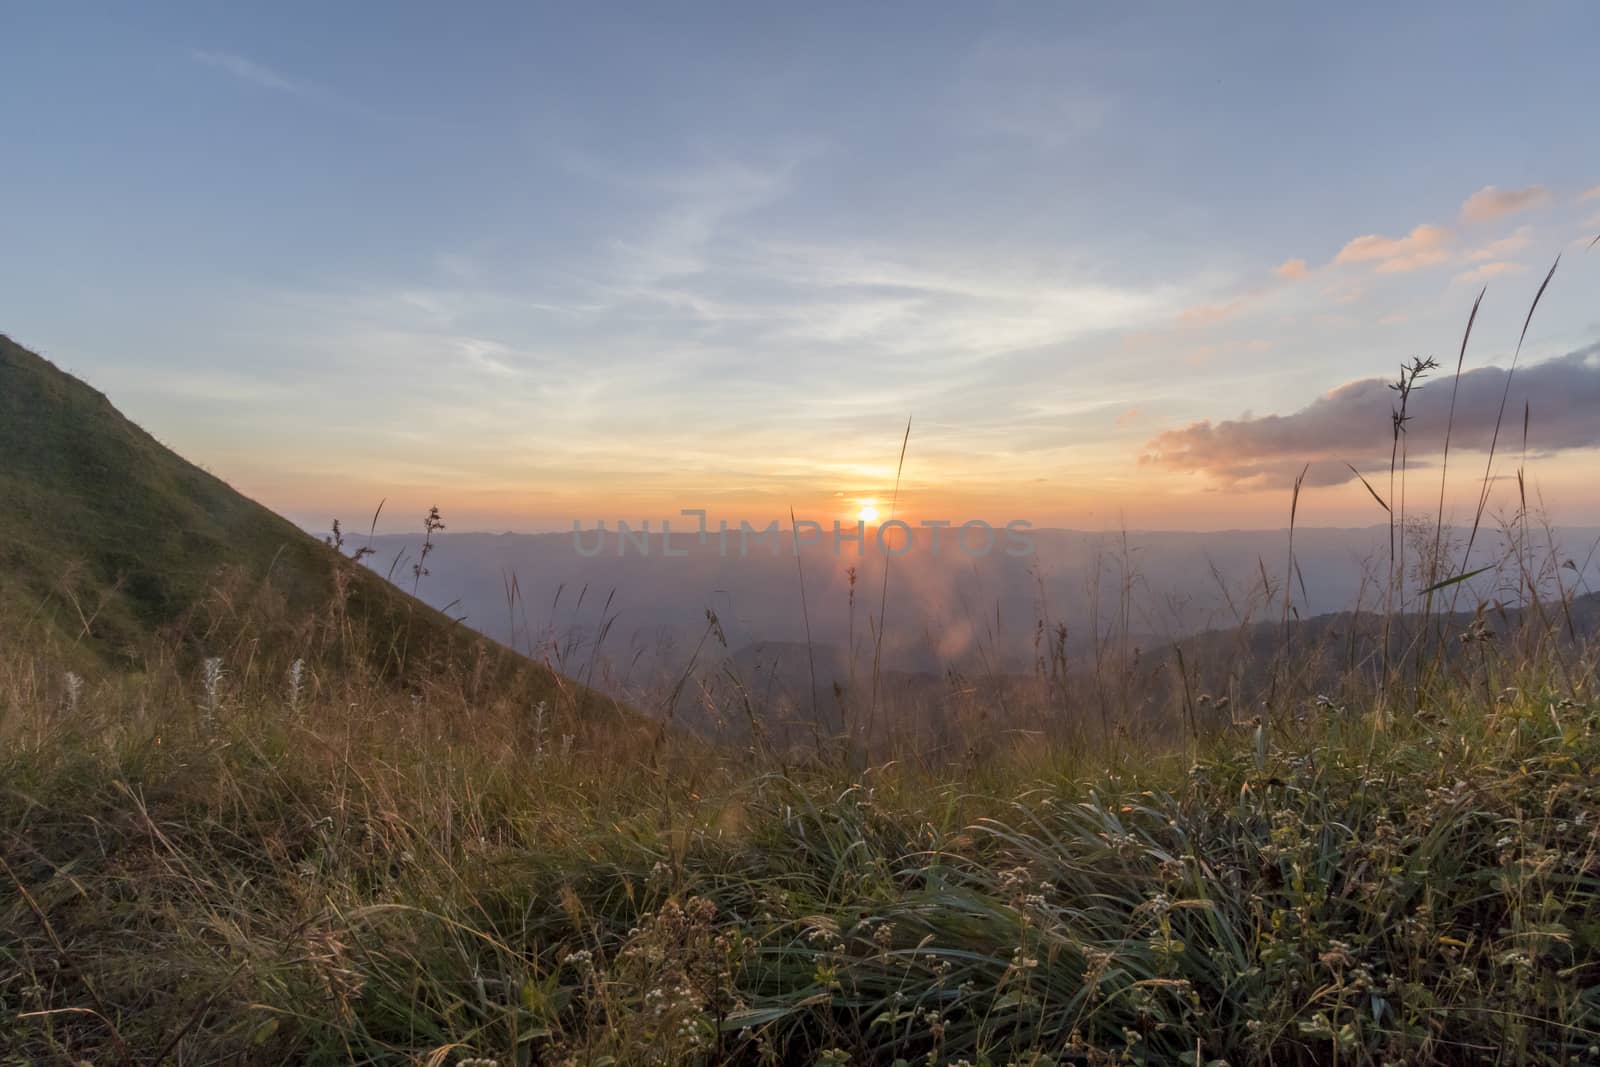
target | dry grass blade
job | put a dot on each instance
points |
(1499, 420)
(1449, 429)
(883, 598)
(805, 614)
(1368, 486)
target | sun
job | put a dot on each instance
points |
(869, 511)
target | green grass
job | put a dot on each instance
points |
(354, 879)
(115, 551)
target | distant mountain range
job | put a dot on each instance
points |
(943, 611)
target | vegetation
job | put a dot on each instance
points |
(116, 552)
(254, 873)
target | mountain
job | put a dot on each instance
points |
(944, 609)
(116, 551)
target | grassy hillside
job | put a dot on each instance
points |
(115, 551)
(107, 535)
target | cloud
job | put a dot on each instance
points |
(1293, 269)
(1422, 247)
(679, 240)
(1493, 203)
(1592, 193)
(1484, 271)
(1512, 242)
(249, 70)
(1202, 315)
(1353, 424)
(265, 77)
(1347, 293)
(908, 308)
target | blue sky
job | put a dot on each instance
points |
(533, 263)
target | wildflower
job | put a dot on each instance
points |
(74, 686)
(1337, 957)
(211, 682)
(1014, 879)
(539, 711)
(296, 687)
(431, 524)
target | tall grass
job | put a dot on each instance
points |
(357, 877)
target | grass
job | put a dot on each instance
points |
(115, 552)
(346, 879)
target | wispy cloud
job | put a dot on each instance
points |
(1353, 424)
(1293, 269)
(1512, 242)
(695, 206)
(250, 71)
(950, 310)
(1202, 315)
(1592, 193)
(258, 74)
(1345, 292)
(707, 259)
(1425, 246)
(1484, 271)
(1491, 202)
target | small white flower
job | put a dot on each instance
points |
(74, 686)
(211, 681)
(296, 687)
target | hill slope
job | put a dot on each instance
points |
(114, 548)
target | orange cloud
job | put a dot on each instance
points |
(1293, 269)
(1209, 314)
(1344, 294)
(1422, 247)
(1489, 270)
(1514, 242)
(1492, 203)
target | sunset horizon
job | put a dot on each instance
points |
(1107, 277)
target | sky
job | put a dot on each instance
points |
(1116, 266)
